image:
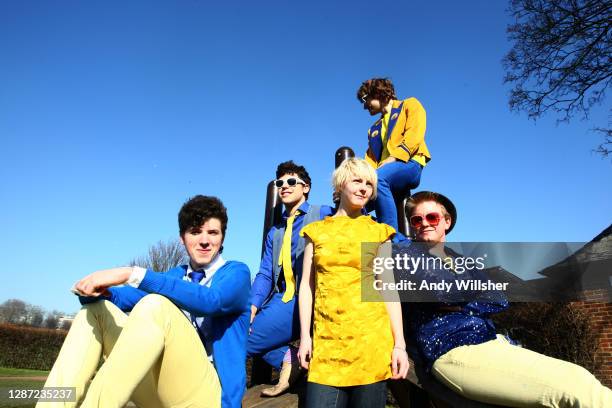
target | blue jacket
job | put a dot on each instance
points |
(458, 318)
(226, 301)
(267, 279)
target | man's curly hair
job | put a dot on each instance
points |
(197, 210)
(377, 88)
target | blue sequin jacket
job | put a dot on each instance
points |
(438, 327)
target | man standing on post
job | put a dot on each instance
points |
(184, 341)
(274, 312)
(396, 145)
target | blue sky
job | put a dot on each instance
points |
(113, 113)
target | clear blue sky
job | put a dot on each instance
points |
(113, 113)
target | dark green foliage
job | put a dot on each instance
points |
(29, 347)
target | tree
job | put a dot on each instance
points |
(66, 325)
(561, 60)
(52, 320)
(162, 256)
(35, 315)
(13, 311)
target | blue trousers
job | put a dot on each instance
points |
(274, 327)
(360, 396)
(395, 180)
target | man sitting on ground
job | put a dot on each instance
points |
(184, 341)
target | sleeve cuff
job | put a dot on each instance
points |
(137, 276)
(257, 301)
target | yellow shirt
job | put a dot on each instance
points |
(352, 339)
(383, 132)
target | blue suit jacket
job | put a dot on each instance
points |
(226, 302)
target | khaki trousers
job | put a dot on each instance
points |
(497, 372)
(153, 357)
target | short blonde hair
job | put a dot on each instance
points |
(352, 167)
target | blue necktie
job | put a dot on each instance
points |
(197, 276)
(203, 328)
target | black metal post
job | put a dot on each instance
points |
(402, 221)
(273, 212)
(342, 154)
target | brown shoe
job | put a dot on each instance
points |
(289, 374)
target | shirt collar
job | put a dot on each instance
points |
(212, 267)
(389, 107)
(303, 208)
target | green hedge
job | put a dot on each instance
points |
(29, 347)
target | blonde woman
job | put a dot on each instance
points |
(356, 345)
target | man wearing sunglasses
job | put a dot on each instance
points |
(457, 340)
(396, 145)
(274, 312)
(431, 216)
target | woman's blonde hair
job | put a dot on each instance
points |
(354, 167)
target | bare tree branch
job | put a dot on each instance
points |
(561, 58)
(52, 319)
(604, 148)
(162, 256)
(13, 311)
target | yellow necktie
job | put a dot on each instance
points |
(284, 260)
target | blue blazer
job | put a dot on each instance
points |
(226, 302)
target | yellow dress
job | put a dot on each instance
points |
(352, 340)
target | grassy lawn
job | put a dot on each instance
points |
(6, 385)
(21, 372)
(15, 405)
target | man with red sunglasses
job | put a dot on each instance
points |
(431, 216)
(274, 312)
(457, 340)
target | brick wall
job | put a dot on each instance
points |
(597, 305)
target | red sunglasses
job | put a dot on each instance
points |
(433, 219)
